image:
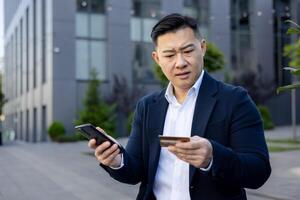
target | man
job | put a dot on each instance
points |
(227, 151)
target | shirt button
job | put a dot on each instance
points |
(192, 187)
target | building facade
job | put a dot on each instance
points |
(51, 46)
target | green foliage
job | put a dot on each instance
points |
(55, 130)
(129, 122)
(214, 58)
(160, 75)
(70, 138)
(275, 149)
(213, 61)
(96, 111)
(266, 117)
(2, 98)
(292, 51)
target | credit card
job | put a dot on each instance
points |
(171, 140)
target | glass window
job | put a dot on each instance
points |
(44, 123)
(135, 29)
(136, 9)
(147, 28)
(91, 35)
(82, 24)
(98, 6)
(143, 63)
(27, 49)
(190, 8)
(98, 55)
(82, 5)
(98, 26)
(34, 125)
(150, 9)
(82, 60)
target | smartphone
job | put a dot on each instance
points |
(166, 141)
(90, 132)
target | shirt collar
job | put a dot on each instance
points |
(169, 95)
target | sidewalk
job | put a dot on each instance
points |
(51, 171)
(282, 132)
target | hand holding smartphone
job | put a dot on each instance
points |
(91, 132)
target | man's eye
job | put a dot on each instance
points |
(189, 51)
(169, 56)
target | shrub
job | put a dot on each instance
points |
(69, 138)
(129, 122)
(266, 117)
(55, 130)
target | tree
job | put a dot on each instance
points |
(96, 111)
(260, 90)
(2, 97)
(293, 52)
(213, 61)
(125, 98)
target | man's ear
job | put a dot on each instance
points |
(155, 57)
(203, 46)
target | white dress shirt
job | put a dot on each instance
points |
(172, 176)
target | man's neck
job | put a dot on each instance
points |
(180, 94)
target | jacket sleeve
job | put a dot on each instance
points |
(245, 161)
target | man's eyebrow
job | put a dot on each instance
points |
(181, 48)
(186, 46)
(168, 51)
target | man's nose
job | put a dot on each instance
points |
(180, 61)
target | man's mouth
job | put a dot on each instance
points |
(182, 75)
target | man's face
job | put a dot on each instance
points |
(180, 56)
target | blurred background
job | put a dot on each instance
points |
(67, 62)
(55, 52)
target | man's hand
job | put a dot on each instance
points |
(197, 152)
(106, 154)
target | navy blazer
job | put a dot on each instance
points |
(228, 118)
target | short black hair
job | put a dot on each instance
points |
(172, 23)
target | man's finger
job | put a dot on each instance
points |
(92, 144)
(108, 152)
(101, 148)
(108, 161)
(100, 129)
(186, 151)
(192, 145)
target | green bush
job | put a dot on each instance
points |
(129, 122)
(266, 117)
(55, 130)
(292, 51)
(70, 138)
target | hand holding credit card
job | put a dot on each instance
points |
(166, 141)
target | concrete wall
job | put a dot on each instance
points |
(263, 37)
(119, 54)
(27, 103)
(63, 77)
(219, 33)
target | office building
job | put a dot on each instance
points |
(51, 45)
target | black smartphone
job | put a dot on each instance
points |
(90, 132)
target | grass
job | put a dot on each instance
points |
(281, 145)
(90, 153)
(284, 141)
(275, 149)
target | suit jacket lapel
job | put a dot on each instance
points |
(204, 105)
(157, 114)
